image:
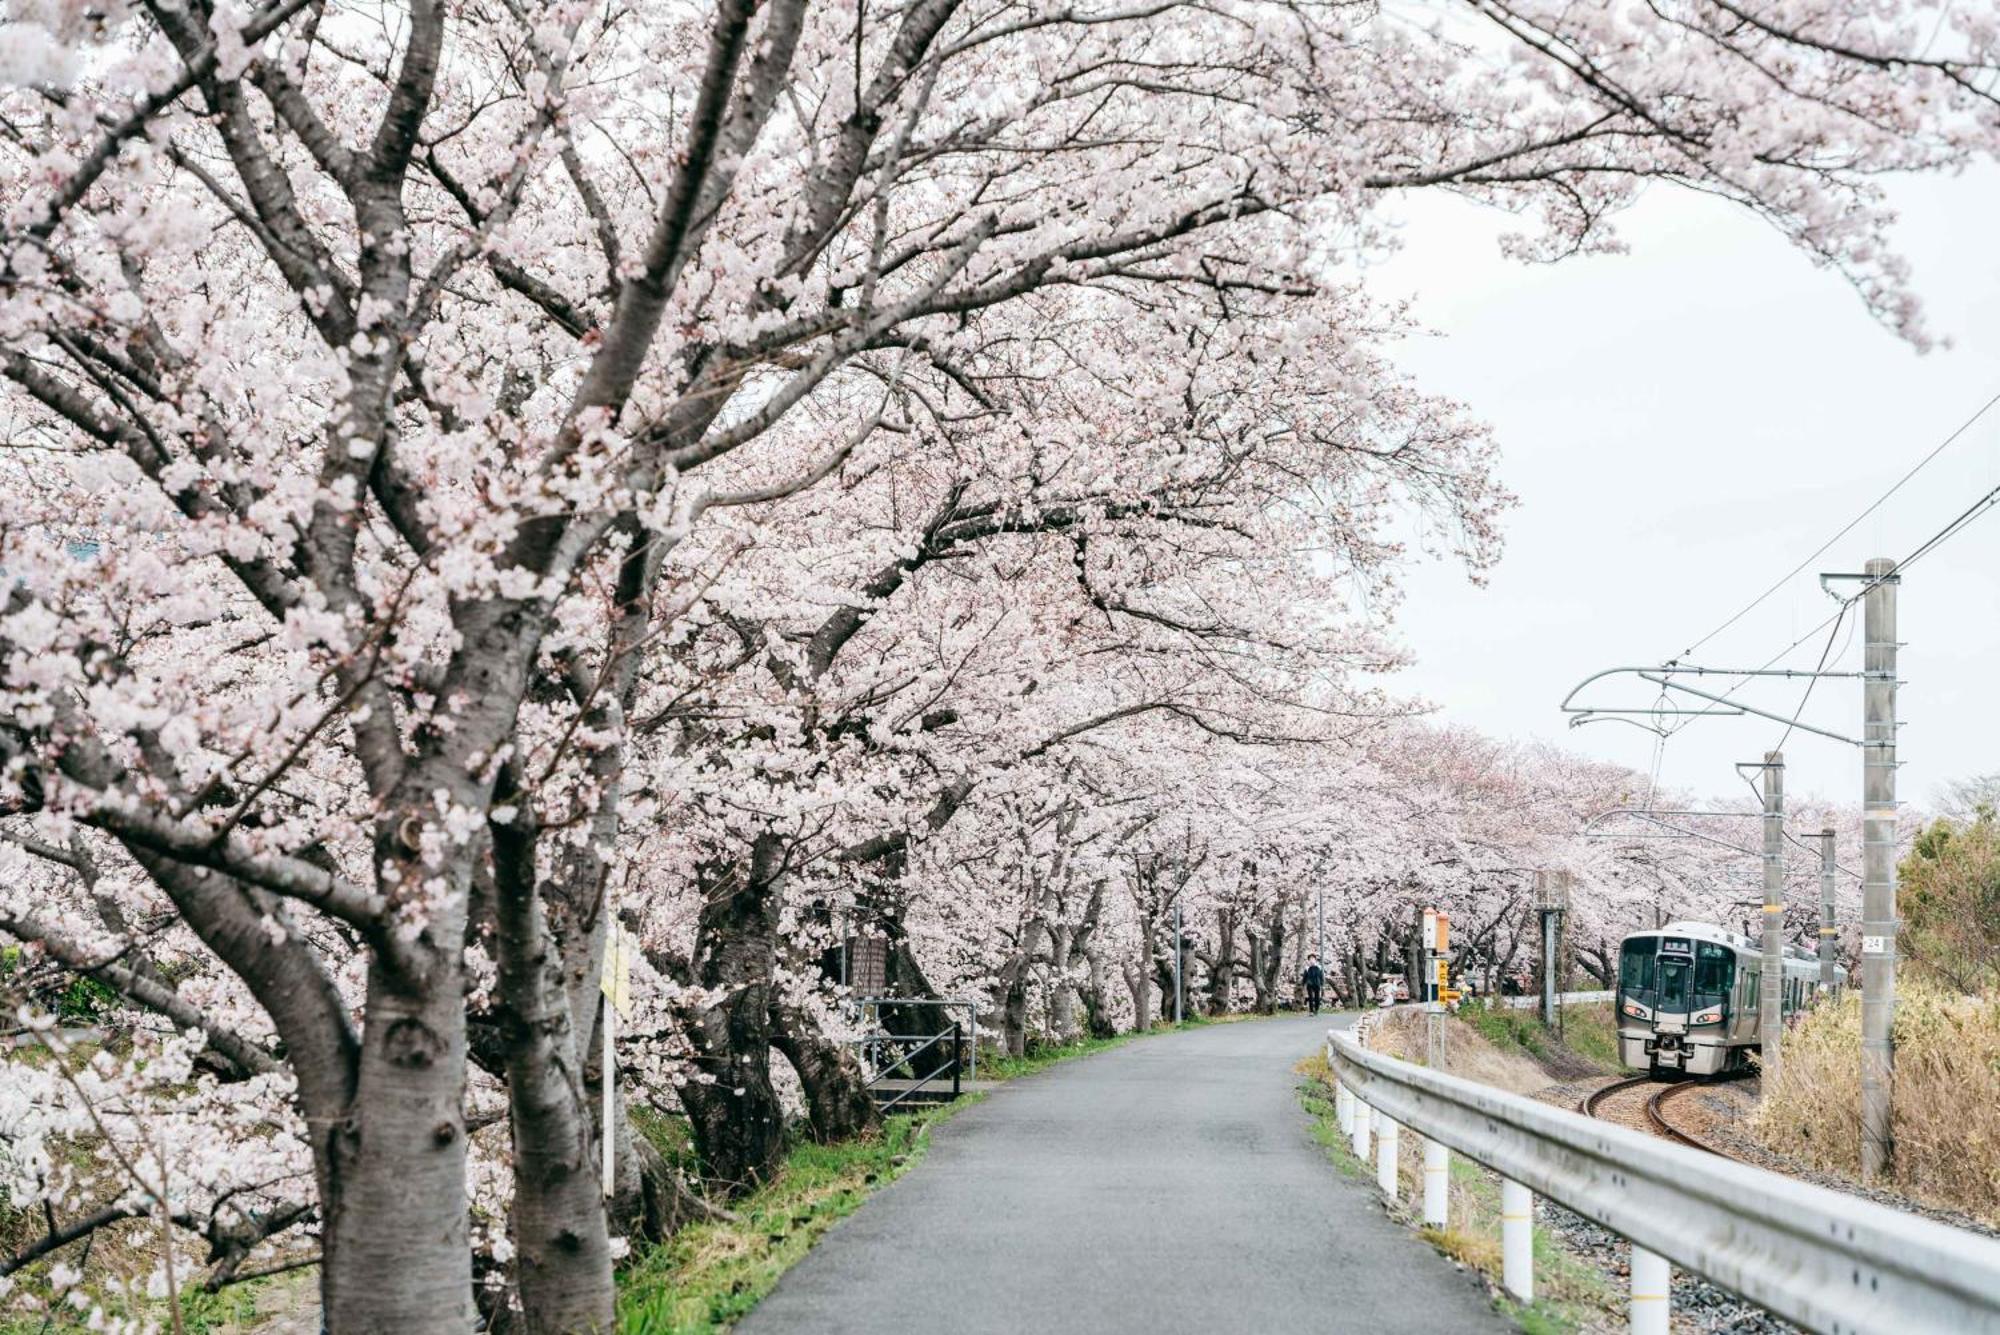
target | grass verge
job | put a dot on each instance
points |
(709, 1275)
(1573, 1295)
(1589, 1033)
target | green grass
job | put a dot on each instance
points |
(1509, 1028)
(1589, 1033)
(229, 1312)
(711, 1274)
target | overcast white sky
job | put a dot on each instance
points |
(1683, 424)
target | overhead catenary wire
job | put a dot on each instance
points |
(1825, 653)
(1963, 520)
(1845, 529)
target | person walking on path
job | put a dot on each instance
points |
(1315, 980)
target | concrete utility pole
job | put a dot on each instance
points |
(1551, 901)
(1770, 1019)
(1320, 954)
(1178, 989)
(1878, 867)
(1827, 931)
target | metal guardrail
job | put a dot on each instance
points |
(1562, 999)
(1823, 1260)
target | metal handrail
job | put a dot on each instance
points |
(956, 1035)
(863, 1004)
(904, 1057)
(1819, 1258)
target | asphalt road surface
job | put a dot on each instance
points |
(1165, 1186)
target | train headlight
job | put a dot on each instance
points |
(1635, 1010)
(1713, 1015)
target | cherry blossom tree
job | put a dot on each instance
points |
(480, 470)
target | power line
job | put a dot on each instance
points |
(1958, 524)
(1951, 530)
(1849, 527)
(1812, 681)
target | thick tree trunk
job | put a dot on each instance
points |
(1013, 999)
(906, 979)
(837, 1100)
(1163, 978)
(1222, 968)
(562, 1249)
(1141, 989)
(733, 1111)
(1013, 989)
(1062, 987)
(399, 1253)
(1096, 1001)
(1269, 979)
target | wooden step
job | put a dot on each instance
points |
(930, 1095)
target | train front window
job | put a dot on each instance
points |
(1714, 968)
(1674, 975)
(1636, 973)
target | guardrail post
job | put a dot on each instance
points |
(1517, 1239)
(1387, 1145)
(1652, 1283)
(1361, 1115)
(1437, 1183)
(957, 1056)
(1343, 1108)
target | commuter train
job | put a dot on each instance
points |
(1688, 997)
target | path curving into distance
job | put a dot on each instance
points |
(1169, 1185)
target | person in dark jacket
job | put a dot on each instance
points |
(1315, 981)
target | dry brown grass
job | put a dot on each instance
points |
(1467, 1052)
(1947, 1097)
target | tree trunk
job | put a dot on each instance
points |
(1013, 989)
(838, 1104)
(906, 979)
(562, 1248)
(1062, 987)
(399, 1251)
(733, 1111)
(1222, 969)
(1014, 1009)
(1096, 1005)
(1141, 989)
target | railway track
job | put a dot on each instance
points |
(1641, 1104)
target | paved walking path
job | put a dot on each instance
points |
(1170, 1185)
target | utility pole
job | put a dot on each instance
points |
(1878, 867)
(1770, 1020)
(1178, 989)
(1551, 901)
(1320, 954)
(1437, 954)
(1827, 963)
